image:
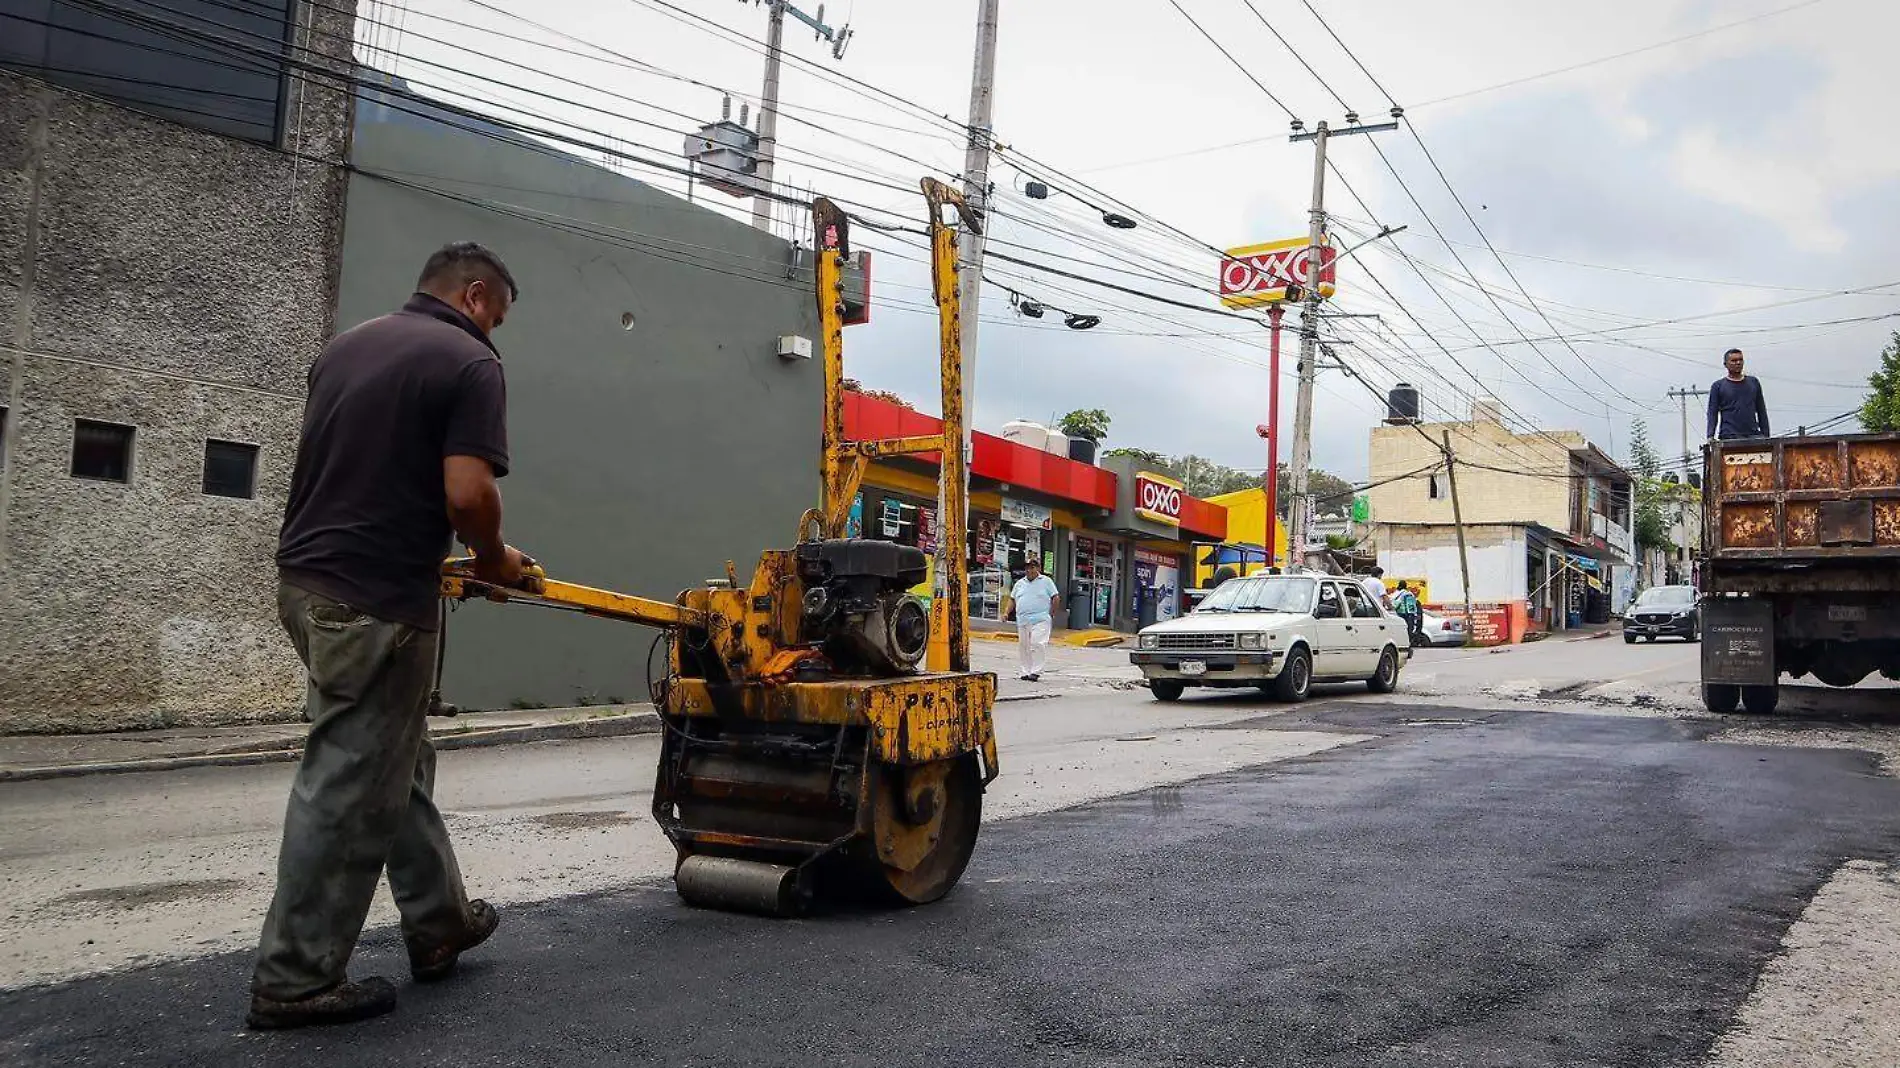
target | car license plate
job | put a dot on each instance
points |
(1192, 667)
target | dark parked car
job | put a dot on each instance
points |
(1663, 611)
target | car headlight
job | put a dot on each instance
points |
(1149, 641)
(1253, 641)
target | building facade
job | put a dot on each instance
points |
(1547, 522)
(169, 227)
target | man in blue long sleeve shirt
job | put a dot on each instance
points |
(1737, 408)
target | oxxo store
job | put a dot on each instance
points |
(1113, 565)
(1134, 561)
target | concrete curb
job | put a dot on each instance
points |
(603, 727)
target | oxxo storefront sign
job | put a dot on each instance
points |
(1158, 497)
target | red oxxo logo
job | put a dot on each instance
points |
(1158, 498)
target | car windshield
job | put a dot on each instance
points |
(1666, 597)
(1265, 593)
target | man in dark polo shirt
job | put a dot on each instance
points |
(404, 435)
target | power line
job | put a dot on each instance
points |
(1349, 54)
(1324, 84)
(1238, 65)
(1620, 55)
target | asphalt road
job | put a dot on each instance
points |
(1456, 888)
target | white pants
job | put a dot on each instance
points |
(1032, 645)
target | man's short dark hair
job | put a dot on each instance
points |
(456, 265)
(1731, 352)
(1377, 572)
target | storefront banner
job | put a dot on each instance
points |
(893, 518)
(854, 525)
(1000, 554)
(1027, 514)
(1032, 544)
(985, 545)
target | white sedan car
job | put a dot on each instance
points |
(1280, 633)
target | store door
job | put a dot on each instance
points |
(1098, 570)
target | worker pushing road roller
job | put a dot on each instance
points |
(823, 735)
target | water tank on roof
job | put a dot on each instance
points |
(1058, 443)
(1027, 434)
(1401, 404)
(1487, 410)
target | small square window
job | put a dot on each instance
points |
(102, 451)
(230, 469)
(1434, 488)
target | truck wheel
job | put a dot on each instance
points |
(1166, 689)
(1761, 700)
(1721, 699)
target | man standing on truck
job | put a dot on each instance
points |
(404, 435)
(1737, 408)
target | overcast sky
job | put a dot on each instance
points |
(1749, 164)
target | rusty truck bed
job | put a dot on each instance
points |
(1804, 501)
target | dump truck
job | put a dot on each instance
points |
(1800, 565)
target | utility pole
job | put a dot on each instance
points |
(976, 194)
(1298, 504)
(1683, 395)
(768, 114)
(768, 97)
(1458, 522)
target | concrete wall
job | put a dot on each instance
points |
(655, 432)
(1541, 496)
(180, 282)
(1499, 570)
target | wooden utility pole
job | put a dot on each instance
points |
(1458, 522)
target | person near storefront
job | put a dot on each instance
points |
(1031, 602)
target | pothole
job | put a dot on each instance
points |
(142, 895)
(581, 821)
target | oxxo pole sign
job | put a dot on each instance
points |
(1158, 497)
(1253, 275)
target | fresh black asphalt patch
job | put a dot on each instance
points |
(1519, 890)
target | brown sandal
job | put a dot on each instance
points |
(430, 963)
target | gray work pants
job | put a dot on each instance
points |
(360, 802)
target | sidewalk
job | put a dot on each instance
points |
(54, 756)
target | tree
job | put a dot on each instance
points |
(1090, 423)
(1882, 409)
(1329, 491)
(1205, 478)
(1651, 527)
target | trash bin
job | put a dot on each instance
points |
(1080, 610)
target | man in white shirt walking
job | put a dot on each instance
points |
(1031, 601)
(1374, 585)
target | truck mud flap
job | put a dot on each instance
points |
(1738, 641)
